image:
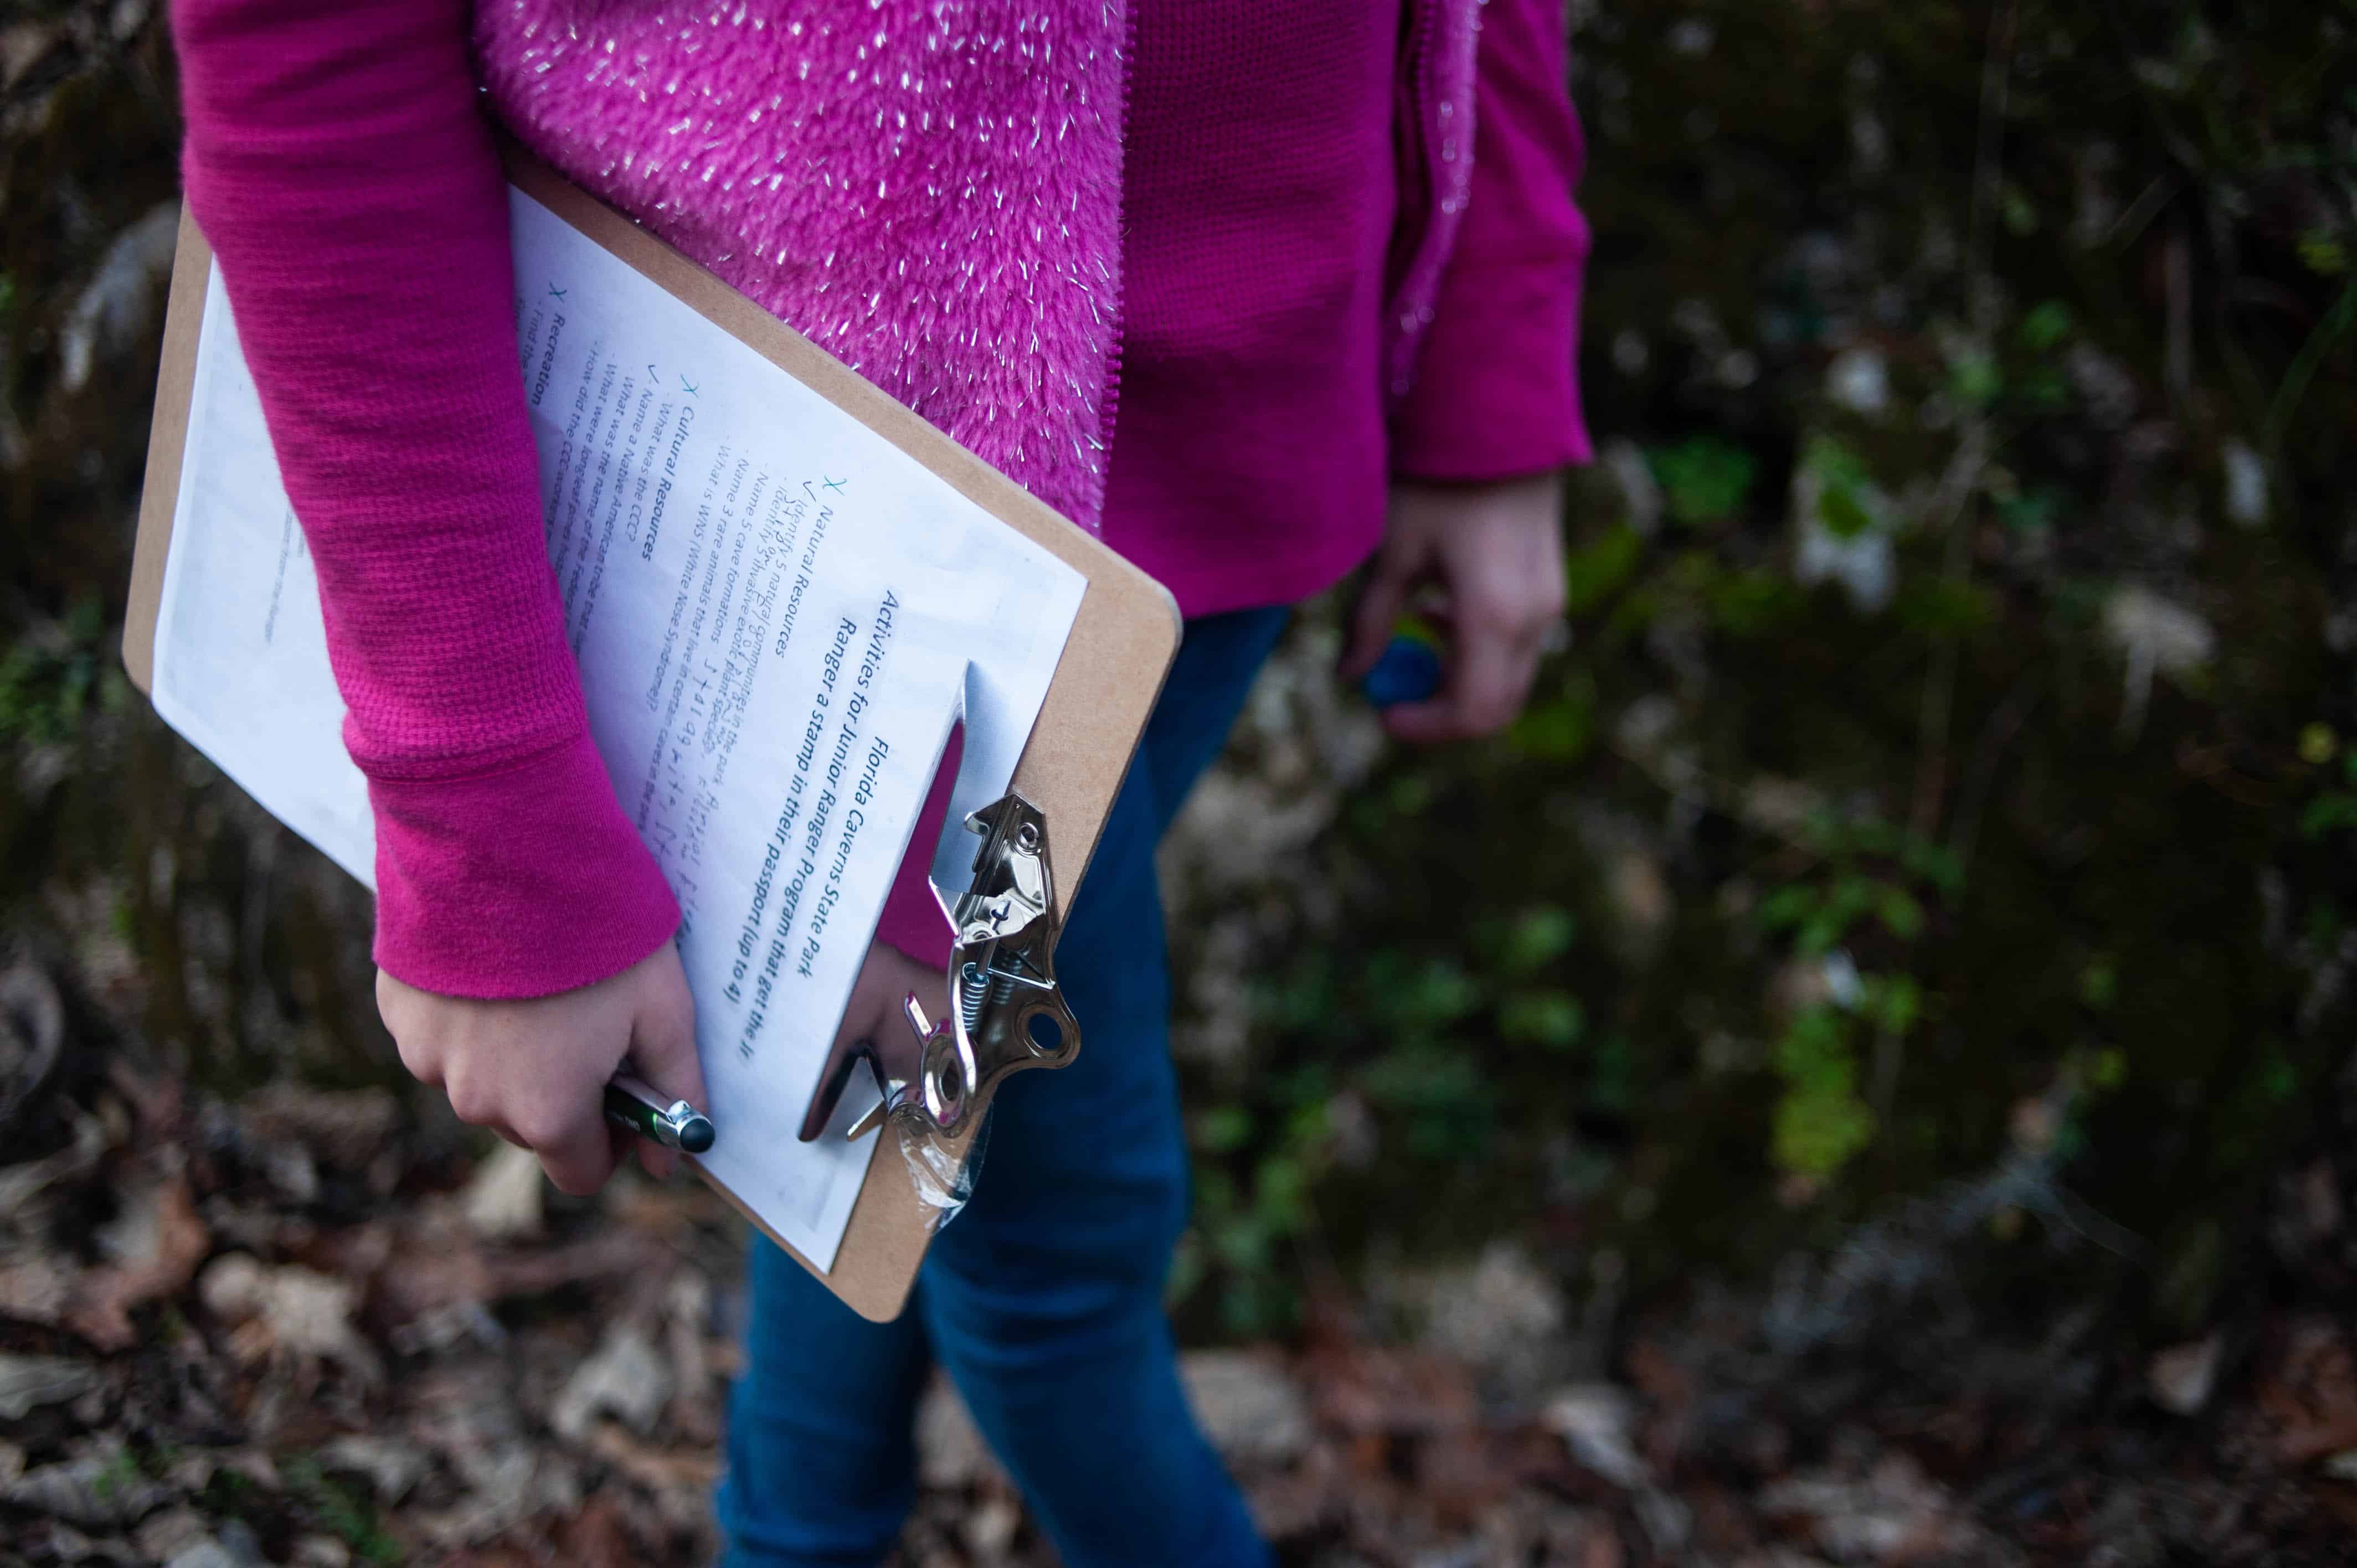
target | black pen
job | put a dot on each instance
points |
(673, 1123)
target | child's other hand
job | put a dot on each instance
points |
(534, 1072)
(1491, 557)
(873, 1015)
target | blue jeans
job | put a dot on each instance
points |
(1043, 1300)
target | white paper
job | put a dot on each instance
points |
(760, 590)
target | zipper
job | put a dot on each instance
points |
(1418, 187)
(1109, 407)
(1411, 147)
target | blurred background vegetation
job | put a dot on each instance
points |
(1947, 792)
(1930, 866)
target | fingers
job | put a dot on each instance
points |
(1379, 607)
(872, 1028)
(397, 1006)
(864, 1020)
(662, 1047)
(659, 1163)
(534, 1072)
(1498, 632)
(1490, 673)
(1496, 552)
(574, 1146)
(833, 1081)
(662, 1032)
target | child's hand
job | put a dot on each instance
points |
(1493, 556)
(873, 1015)
(534, 1072)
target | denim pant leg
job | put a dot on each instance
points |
(820, 1452)
(1044, 1299)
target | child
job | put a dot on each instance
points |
(1259, 290)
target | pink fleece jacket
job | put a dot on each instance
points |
(1313, 283)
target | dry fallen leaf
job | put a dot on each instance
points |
(690, 1470)
(2310, 1397)
(291, 1316)
(504, 1199)
(392, 1466)
(2181, 1377)
(27, 1381)
(1366, 1391)
(1596, 1423)
(160, 1241)
(100, 1490)
(598, 1537)
(343, 1127)
(38, 1289)
(1248, 1406)
(625, 1376)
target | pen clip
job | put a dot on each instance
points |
(1005, 1012)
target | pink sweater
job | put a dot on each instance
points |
(1283, 312)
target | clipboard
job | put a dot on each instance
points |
(1104, 689)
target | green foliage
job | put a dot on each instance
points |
(1842, 485)
(1612, 1075)
(2321, 250)
(1426, 1037)
(1869, 892)
(342, 1509)
(2045, 327)
(1739, 601)
(1820, 1122)
(1974, 379)
(1254, 1176)
(1556, 725)
(1703, 479)
(48, 683)
(1753, 603)
(1439, 1094)
(1595, 570)
(122, 1469)
(1551, 1018)
(1538, 936)
(2334, 809)
(2030, 514)
(1937, 608)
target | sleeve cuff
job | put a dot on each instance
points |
(525, 882)
(1496, 395)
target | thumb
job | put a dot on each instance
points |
(1377, 611)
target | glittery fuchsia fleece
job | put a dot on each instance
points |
(931, 193)
(1314, 282)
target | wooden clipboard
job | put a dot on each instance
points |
(1122, 642)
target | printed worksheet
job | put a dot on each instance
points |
(778, 615)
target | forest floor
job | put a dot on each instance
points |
(298, 1329)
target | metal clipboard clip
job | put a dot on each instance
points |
(1006, 1013)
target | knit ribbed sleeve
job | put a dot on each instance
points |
(337, 162)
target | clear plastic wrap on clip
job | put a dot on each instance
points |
(941, 1172)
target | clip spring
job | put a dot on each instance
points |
(1005, 1013)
